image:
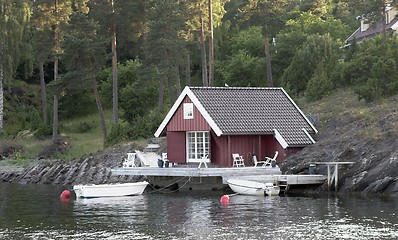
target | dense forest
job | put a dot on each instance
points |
(133, 57)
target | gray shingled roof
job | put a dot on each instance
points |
(255, 111)
(370, 32)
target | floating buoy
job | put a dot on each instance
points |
(225, 199)
(65, 194)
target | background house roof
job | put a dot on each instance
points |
(371, 31)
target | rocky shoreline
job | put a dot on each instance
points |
(95, 169)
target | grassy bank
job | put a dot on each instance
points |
(82, 136)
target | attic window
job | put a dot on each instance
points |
(188, 110)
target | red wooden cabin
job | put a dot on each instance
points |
(219, 121)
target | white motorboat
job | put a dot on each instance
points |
(109, 190)
(246, 187)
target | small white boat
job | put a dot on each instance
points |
(246, 187)
(109, 190)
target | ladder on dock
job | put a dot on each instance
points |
(283, 184)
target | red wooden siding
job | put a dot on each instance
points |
(245, 145)
(176, 147)
(178, 123)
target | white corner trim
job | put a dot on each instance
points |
(204, 113)
(172, 111)
(187, 92)
(308, 135)
(280, 139)
(298, 109)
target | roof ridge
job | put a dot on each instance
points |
(237, 88)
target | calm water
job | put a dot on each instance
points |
(36, 212)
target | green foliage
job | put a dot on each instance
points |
(250, 40)
(290, 39)
(43, 131)
(321, 82)
(76, 104)
(316, 49)
(116, 135)
(242, 69)
(143, 127)
(146, 125)
(373, 69)
(128, 74)
(244, 63)
(136, 99)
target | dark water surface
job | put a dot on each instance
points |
(36, 212)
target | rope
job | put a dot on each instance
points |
(163, 188)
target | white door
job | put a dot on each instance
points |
(197, 145)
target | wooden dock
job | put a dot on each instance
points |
(260, 174)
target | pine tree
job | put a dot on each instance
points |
(84, 55)
(14, 16)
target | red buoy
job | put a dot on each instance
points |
(225, 199)
(65, 194)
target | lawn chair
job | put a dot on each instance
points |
(238, 160)
(130, 161)
(256, 162)
(204, 160)
(268, 161)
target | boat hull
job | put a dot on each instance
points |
(247, 187)
(109, 190)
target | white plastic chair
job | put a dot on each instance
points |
(269, 160)
(238, 160)
(164, 157)
(204, 160)
(256, 162)
(130, 161)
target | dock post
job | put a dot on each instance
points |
(329, 180)
(335, 175)
(336, 167)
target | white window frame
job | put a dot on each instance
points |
(198, 144)
(188, 110)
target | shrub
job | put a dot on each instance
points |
(43, 131)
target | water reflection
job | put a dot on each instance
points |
(36, 212)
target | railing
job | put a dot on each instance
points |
(333, 177)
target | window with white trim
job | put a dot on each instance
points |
(197, 145)
(188, 110)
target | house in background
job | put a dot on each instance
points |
(366, 31)
(220, 121)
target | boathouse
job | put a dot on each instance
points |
(219, 121)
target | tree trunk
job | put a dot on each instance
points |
(211, 46)
(161, 93)
(55, 107)
(43, 94)
(1, 98)
(384, 22)
(188, 71)
(171, 92)
(114, 78)
(100, 109)
(203, 54)
(178, 80)
(267, 59)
